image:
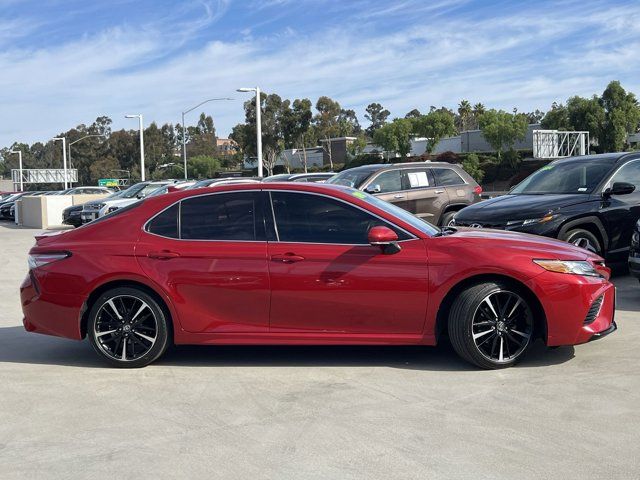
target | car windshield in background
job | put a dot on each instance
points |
(401, 213)
(565, 177)
(350, 178)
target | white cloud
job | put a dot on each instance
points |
(526, 59)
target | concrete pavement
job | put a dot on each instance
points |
(314, 413)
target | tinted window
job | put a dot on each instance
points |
(629, 173)
(388, 181)
(565, 177)
(166, 223)
(417, 178)
(447, 177)
(317, 219)
(227, 216)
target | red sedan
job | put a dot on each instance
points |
(307, 264)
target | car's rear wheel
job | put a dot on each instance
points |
(128, 328)
(491, 325)
(583, 239)
(446, 219)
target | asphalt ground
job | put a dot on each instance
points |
(314, 412)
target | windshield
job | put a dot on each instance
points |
(565, 177)
(350, 178)
(401, 213)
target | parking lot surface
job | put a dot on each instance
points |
(314, 412)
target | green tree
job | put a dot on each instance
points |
(202, 166)
(415, 113)
(557, 118)
(395, 137)
(622, 115)
(471, 165)
(103, 168)
(502, 130)
(377, 115)
(435, 125)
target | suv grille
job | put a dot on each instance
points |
(594, 310)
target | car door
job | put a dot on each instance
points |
(326, 278)
(424, 198)
(387, 185)
(209, 254)
(621, 212)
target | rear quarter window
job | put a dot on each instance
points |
(446, 177)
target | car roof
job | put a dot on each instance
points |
(380, 166)
(612, 157)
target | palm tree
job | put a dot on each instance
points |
(478, 110)
(464, 110)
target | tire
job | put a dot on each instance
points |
(446, 218)
(128, 328)
(584, 239)
(491, 325)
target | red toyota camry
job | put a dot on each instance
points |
(307, 264)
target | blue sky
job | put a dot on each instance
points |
(63, 63)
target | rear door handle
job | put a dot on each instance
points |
(163, 255)
(438, 191)
(287, 258)
(398, 196)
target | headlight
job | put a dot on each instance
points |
(531, 221)
(575, 267)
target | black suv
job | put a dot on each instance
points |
(592, 201)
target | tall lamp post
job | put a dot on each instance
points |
(64, 159)
(19, 152)
(76, 141)
(258, 126)
(184, 131)
(139, 117)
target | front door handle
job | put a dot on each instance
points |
(438, 191)
(398, 196)
(163, 255)
(287, 258)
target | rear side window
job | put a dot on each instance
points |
(417, 178)
(226, 216)
(447, 177)
(165, 223)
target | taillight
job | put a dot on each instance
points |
(40, 259)
(477, 190)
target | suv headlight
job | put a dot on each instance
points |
(575, 267)
(530, 221)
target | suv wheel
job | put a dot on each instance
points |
(583, 239)
(491, 325)
(446, 219)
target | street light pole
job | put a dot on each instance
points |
(64, 159)
(139, 117)
(19, 152)
(184, 131)
(258, 126)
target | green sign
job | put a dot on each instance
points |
(108, 182)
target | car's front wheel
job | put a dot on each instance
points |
(491, 325)
(128, 328)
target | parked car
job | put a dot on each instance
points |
(85, 191)
(592, 201)
(434, 191)
(72, 215)
(6, 211)
(214, 182)
(634, 252)
(305, 263)
(96, 209)
(300, 177)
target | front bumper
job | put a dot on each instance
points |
(567, 300)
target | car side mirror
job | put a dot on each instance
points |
(385, 238)
(620, 188)
(139, 196)
(373, 189)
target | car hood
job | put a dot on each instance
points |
(121, 202)
(534, 245)
(518, 207)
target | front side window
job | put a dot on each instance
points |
(389, 181)
(629, 173)
(309, 218)
(225, 216)
(447, 177)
